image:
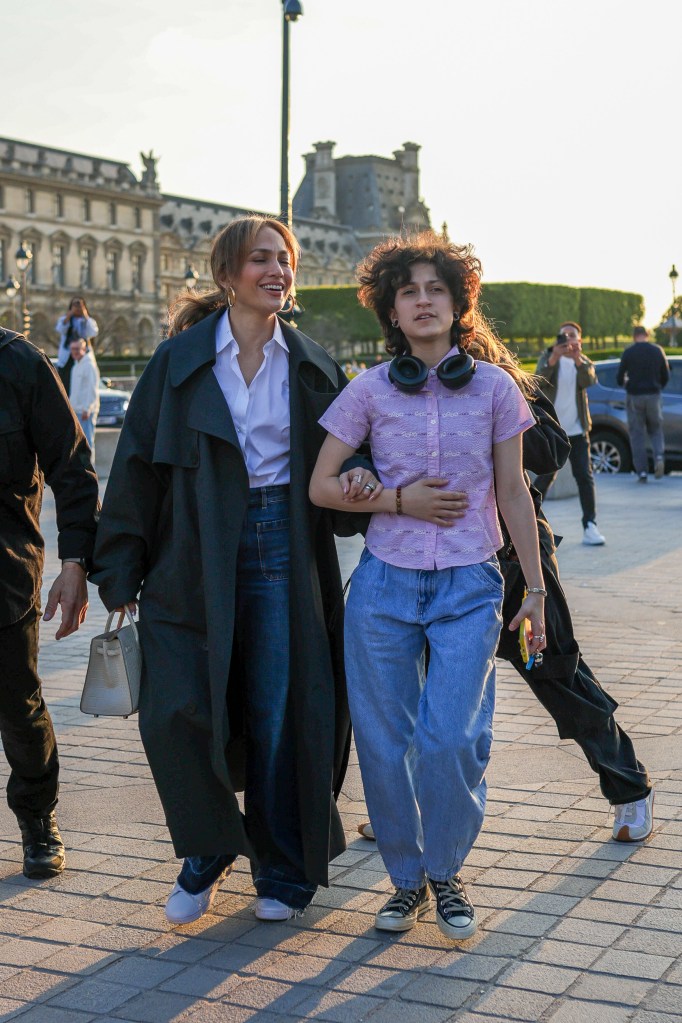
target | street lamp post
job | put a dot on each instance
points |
(673, 275)
(23, 256)
(191, 277)
(12, 286)
(292, 10)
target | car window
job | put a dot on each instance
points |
(675, 383)
(606, 375)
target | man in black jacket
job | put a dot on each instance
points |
(40, 439)
(644, 370)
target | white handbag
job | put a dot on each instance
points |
(112, 680)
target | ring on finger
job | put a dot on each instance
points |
(369, 486)
(357, 479)
(541, 637)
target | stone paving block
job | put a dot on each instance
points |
(94, 995)
(551, 980)
(336, 1006)
(69, 931)
(663, 919)
(370, 980)
(296, 968)
(53, 1014)
(513, 1004)
(469, 967)
(24, 952)
(332, 946)
(139, 972)
(404, 1012)
(598, 987)
(543, 902)
(449, 991)
(156, 1007)
(580, 1012)
(639, 939)
(201, 981)
(608, 912)
(34, 985)
(671, 899)
(531, 924)
(565, 953)
(615, 891)
(633, 964)
(638, 873)
(665, 998)
(76, 960)
(405, 957)
(492, 943)
(655, 1017)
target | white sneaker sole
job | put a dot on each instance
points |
(391, 923)
(456, 933)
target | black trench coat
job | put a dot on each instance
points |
(171, 522)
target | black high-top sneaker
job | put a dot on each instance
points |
(455, 916)
(43, 846)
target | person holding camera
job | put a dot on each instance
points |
(566, 373)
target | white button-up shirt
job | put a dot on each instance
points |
(260, 412)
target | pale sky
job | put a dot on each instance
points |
(550, 129)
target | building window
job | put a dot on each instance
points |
(58, 265)
(4, 274)
(86, 268)
(2, 197)
(112, 270)
(138, 268)
(59, 205)
(112, 214)
(86, 211)
(30, 201)
(138, 218)
(164, 262)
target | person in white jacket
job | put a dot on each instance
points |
(84, 390)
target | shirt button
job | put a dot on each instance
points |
(433, 454)
(432, 372)
(433, 421)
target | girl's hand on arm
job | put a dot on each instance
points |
(425, 499)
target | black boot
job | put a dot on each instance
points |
(43, 846)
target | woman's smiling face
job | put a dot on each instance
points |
(266, 277)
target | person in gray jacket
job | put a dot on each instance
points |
(566, 373)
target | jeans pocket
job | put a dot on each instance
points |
(273, 549)
(489, 573)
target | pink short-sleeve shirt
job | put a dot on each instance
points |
(435, 432)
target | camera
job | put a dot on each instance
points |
(562, 339)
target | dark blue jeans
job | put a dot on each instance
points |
(261, 639)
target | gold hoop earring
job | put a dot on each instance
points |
(230, 296)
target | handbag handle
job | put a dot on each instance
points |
(131, 620)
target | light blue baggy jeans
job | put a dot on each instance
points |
(423, 741)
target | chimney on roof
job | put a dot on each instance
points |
(324, 181)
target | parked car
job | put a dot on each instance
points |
(610, 442)
(113, 404)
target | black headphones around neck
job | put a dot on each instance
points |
(409, 373)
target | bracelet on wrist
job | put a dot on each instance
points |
(399, 500)
(537, 589)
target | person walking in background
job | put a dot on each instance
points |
(40, 440)
(566, 374)
(74, 324)
(84, 390)
(438, 423)
(644, 370)
(241, 607)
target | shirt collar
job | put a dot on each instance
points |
(225, 338)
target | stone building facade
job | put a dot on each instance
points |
(96, 228)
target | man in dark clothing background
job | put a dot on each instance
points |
(644, 370)
(40, 439)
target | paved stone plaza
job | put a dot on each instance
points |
(574, 927)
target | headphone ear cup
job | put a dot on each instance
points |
(408, 373)
(456, 371)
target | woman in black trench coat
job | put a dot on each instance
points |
(206, 517)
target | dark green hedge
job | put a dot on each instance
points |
(518, 311)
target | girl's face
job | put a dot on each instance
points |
(424, 307)
(266, 278)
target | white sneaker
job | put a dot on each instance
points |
(591, 536)
(367, 831)
(273, 909)
(183, 907)
(634, 821)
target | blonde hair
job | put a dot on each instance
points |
(228, 254)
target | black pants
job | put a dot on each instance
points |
(65, 374)
(581, 466)
(569, 691)
(25, 725)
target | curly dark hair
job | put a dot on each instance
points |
(388, 267)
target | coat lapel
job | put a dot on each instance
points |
(193, 356)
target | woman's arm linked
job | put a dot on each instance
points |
(518, 512)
